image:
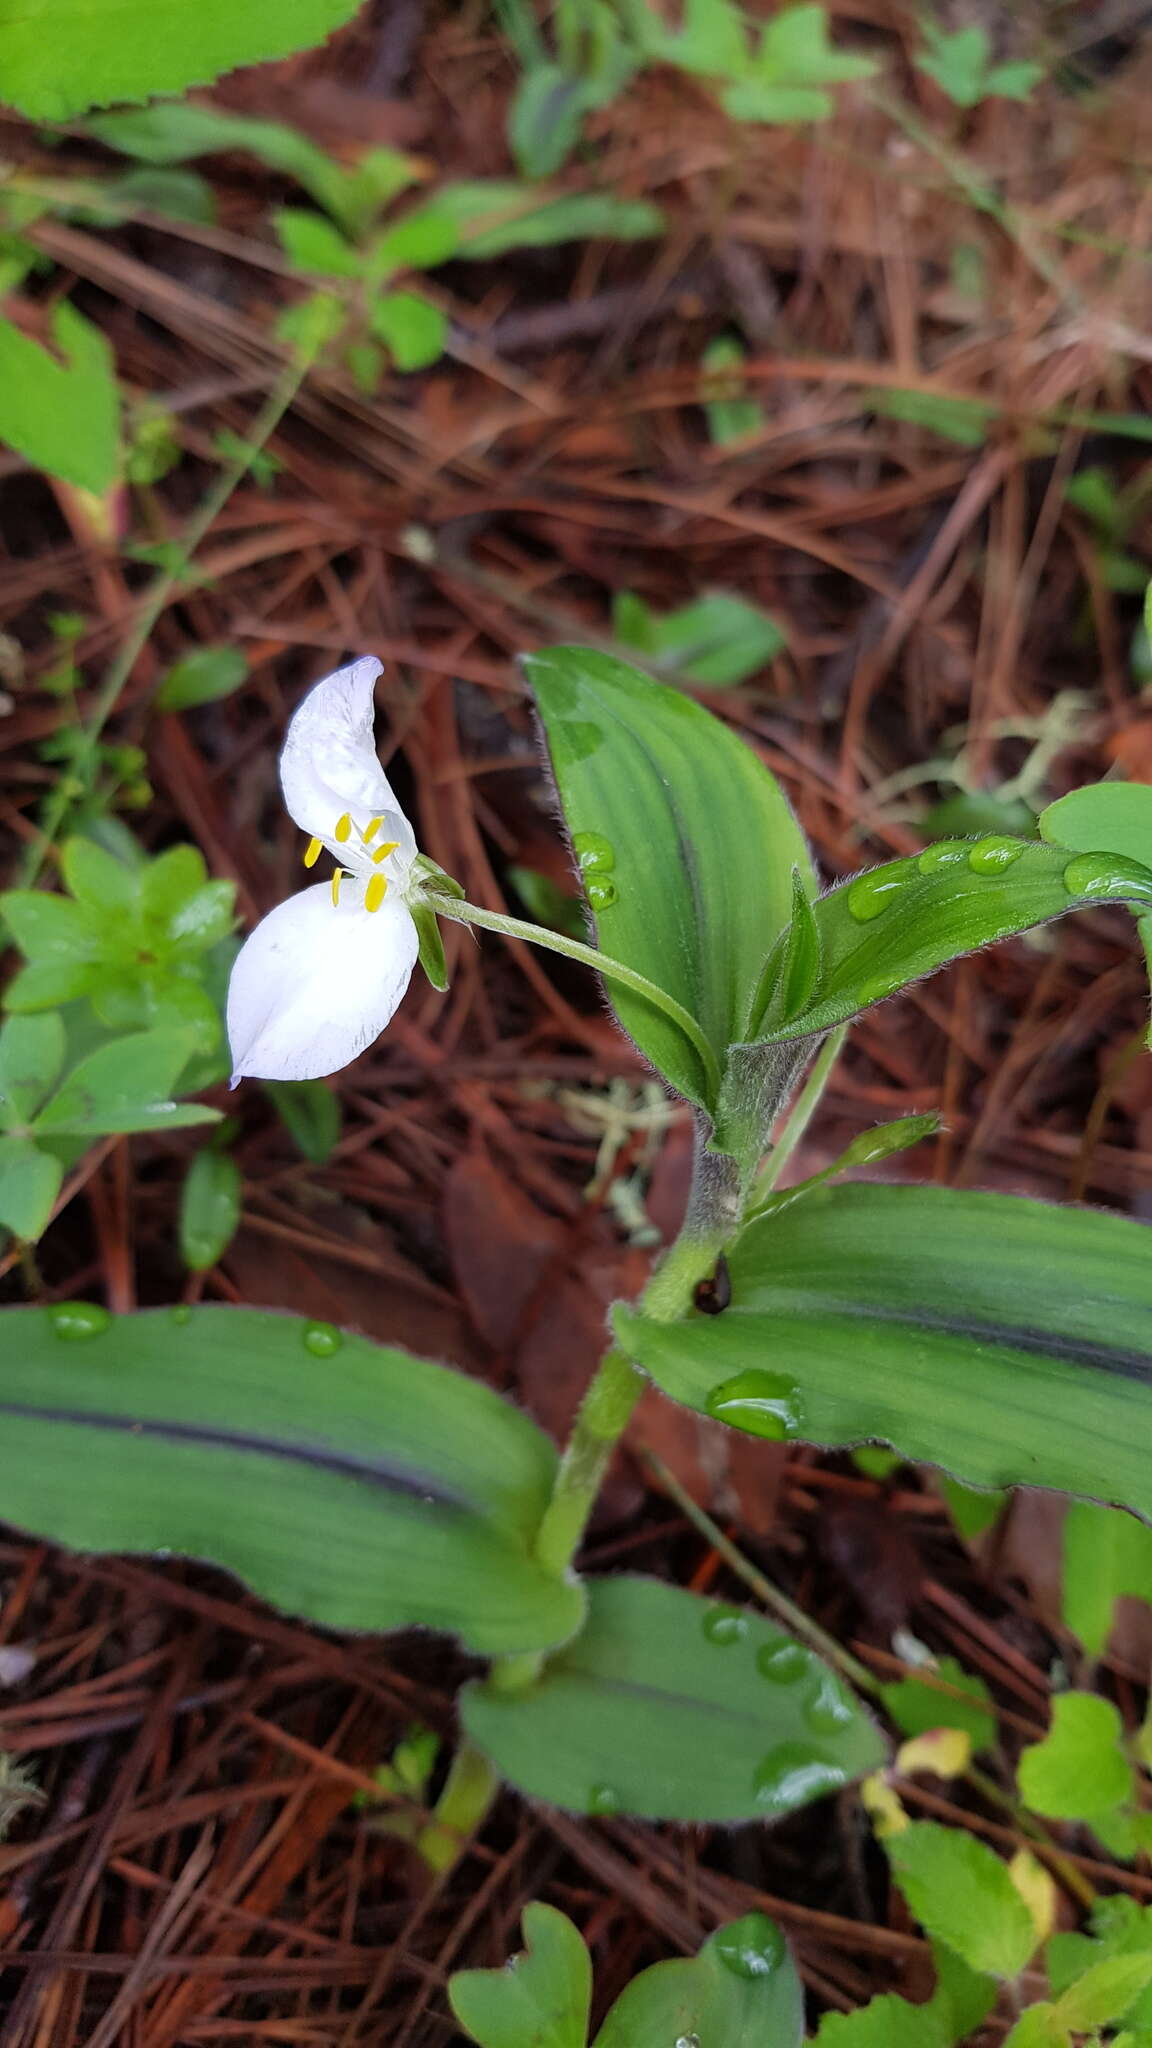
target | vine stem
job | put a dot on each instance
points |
(161, 590)
(589, 956)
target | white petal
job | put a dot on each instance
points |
(329, 765)
(314, 985)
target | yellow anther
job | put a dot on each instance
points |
(343, 828)
(336, 877)
(372, 828)
(315, 849)
(382, 852)
(375, 893)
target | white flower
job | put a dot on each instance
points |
(322, 975)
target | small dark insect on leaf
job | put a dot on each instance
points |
(713, 1295)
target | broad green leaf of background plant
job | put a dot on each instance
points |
(669, 1706)
(1106, 1555)
(1121, 1929)
(684, 840)
(541, 1999)
(741, 1991)
(340, 1480)
(718, 640)
(895, 923)
(29, 1184)
(1007, 1340)
(61, 410)
(963, 1896)
(1080, 1769)
(125, 1086)
(413, 331)
(495, 215)
(209, 1208)
(60, 57)
(790, 70)
(961, 64)
(311, 1112)
(174, 132)
(202, 676)
(544, 120)
(31, 1057)
(731, 410)
(961, 1999)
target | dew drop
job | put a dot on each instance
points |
(783, 1662)
(180, 1314)
(593, 852)
(604, 1800)
(725, 1625)
(792, 1774)
(990, 855)
(687, 2041)
(870, 895)
(752, 1947)
(600, 893)
(829, 1709)
(323, 1340)
(1106, 875)
(76, 1320)
(947, 853)
(762, 1403)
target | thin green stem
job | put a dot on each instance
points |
(469, 1790)
(802, 1111)
(602, 963)
(162, 588)
(604, 1415)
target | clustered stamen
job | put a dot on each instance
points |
(377, 887)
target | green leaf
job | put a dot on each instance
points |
(685, 842)
(1080, 1768)
(712, 39)
(60, 938)
(732, 415)
(496, 215)
(962, 1895)
(311, 243)
(792, 65)
(31, 1057)
(741, 1991)
(668, 1706)
(546, 902)
(125, 1086)
(209, 1208)
(544, 119)
(171, 881)
(425, 237)
(540, 2000)
(917, 1706)
(311, 1111)
(885, 2022)
(717, 640)
(958, 62)
(1103, 817)
(1104, 1994)
(59, 57)
(172, 132)
(1009, 1341)
(963, 420)
(430, 944)
(895, 923)
(106, 886)
(1106, 1555)
(29, 1184)
(341, 1480)
(201, 677)
(414, 331)
(974, 1510)
(60, 411)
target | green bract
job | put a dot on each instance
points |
(657, 1676)
(341, 1480)
(685, 844)
(1009, 1341)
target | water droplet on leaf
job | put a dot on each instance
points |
(1106, 875)
(783, 1662)
(323, 1340)
(600, 893)
(752, 1947)
(949, 853)
(604, 1800)
(762, 1403)
(593, 851)
(792, 1774)
(725, 1625)
(993, 854)
(870, 895)
(76, 1320)
(829, 1708)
